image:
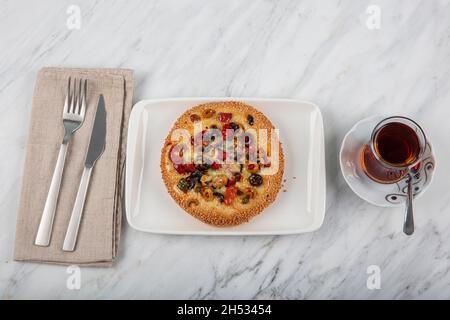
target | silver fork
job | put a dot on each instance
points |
(73, 117)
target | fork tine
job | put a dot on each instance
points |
(78, 93)
(81, 96)
(74, 97)
(83, 100)
(67, 99)
(69, 110)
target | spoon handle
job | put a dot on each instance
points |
(408, 224)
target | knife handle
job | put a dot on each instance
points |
(74, 224)
(48, 214)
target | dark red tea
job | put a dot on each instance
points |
(398, 146)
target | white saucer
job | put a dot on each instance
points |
(384, 195)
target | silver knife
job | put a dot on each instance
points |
(95, 150)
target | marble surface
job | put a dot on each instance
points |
(329, 52)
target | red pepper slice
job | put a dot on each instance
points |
(180, 168)
(183, 168)
(224, 116)
(216, 166)
(224, 130)
(230, 194)
(231, 182)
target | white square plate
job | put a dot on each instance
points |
(301, 208)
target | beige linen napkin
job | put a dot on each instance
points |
(99, 232)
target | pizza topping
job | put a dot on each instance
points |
(224, 117)
(253, 167)
(231, 181)
(185, 184)
(235, 177)
(219, 196)
(203, 167)
(183, 168)
(207, 194)
(250, 119)
(179, 168)
(208, 113)
(195, 117)
(193, 202)
(219, 181)
(196, 175)
(250, 192)
(230, 194)
(205, 179)
(225, 127)
(255, 180)
(234, 126)
(216, 166)
(189, 167)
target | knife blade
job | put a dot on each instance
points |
(95, 150)
(98, 135)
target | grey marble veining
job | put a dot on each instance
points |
(321, 51)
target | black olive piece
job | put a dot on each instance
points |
(234, 126)
(183, 184)
(192, 181)
(255, 180)
(219, 196)
(203, 166)
(250, 119)
(245, 200)
(237, 176)
(197, 174)
(241, 166)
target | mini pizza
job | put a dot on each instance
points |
(222, 162)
